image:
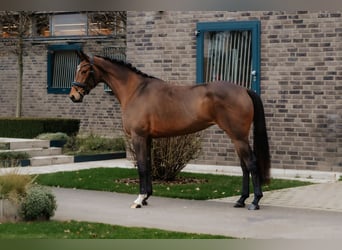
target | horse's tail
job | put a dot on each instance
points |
(260, 139)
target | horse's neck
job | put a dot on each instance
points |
(123, 84)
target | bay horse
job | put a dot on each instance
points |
(151, 108)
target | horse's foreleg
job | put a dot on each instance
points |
(142, 147)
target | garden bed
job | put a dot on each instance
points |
(99, 157)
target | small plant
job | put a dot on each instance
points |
(38, 204)
(12, 159)
(12, 190)
(28, 201)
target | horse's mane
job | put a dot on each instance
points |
(127, 65)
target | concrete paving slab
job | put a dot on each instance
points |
(324, 196)
(209, 217)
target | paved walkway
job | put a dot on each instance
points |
(210, 217)
(324, 196)
(313, 211)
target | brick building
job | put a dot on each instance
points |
(296, 58)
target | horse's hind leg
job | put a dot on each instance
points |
(248, 165)
(256, 185)
(245, 186)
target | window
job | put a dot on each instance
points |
(229, 51)
(62, 64)
(118, 53)
(107, 23)
(69, 25)
(97, 23)
(63, 24)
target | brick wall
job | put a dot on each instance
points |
(100, 111)
(8, 78)
(301, 78)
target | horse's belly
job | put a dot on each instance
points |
(177, 127)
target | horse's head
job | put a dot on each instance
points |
(84, 79)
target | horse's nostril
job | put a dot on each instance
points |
(73, 98)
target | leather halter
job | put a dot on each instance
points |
(85, 86)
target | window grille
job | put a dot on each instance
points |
(62, 64)
(228, 57)
(229, 51)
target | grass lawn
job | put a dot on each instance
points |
(207, 186)
(86, 230)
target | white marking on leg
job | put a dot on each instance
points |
(139, 201)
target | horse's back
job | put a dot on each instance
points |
(165, 109)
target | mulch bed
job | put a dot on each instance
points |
(177, 181)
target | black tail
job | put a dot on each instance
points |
(260, 144)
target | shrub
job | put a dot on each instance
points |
(53, 136)
(93, 144)
(38, 204)
(170, 155)
(31, 127)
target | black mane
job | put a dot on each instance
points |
(127, 65)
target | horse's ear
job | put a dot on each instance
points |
(82, 55)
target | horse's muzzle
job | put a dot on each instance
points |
(74, 99)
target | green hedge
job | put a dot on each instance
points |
(31, 127)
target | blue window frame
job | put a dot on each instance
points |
(62, 64)
(229, 51)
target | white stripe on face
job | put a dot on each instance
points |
(77, 71)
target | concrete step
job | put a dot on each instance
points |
(51, 160)
(15, 143)
(37, 151)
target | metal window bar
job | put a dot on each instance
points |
(118, 53)
(65, 64)
(229, 57)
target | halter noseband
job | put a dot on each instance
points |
(84, 86)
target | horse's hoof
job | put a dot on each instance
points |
(144, 202)
(135, 205)
(239, 204)
(253, 207)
